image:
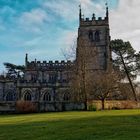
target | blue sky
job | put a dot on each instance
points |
(42, 28)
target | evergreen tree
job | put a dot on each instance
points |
(130, 56)
(14, 71)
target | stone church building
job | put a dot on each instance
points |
(48, 83)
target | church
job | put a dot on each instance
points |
(48, 84)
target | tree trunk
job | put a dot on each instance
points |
(103, 104)
(86, 105)
(129, 79)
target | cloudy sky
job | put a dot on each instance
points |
(42, 28)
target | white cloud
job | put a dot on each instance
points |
(36, 16)
(69, 9)
(68, 37)
(125, 22)
(33, 20)
(90, 6)
(33, 42)
(64, 9)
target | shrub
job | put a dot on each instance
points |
(92, 107)
(25, 107)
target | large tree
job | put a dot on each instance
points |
(109, 81)
(130, 57)
(80, 70)
(105, 85)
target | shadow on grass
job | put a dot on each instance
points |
(89, 128)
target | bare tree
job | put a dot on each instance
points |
(105, 84)
(79, 80)
(70, 52)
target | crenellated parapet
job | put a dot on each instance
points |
(93, 21)
(49, 64)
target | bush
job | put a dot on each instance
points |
(25, 107)
(92, 107)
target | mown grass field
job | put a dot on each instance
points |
(100, 125)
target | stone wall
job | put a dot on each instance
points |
(7, 106)
(60, 106)
(44, 106)
(115, 104)
(69, 106)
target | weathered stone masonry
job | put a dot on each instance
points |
(48, 83)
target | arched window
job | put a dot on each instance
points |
(27, 96)
(90, 35)
(66, 97)
(9, 96)
(97, 36)
(47, 97)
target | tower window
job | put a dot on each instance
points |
(90, 35)
(97, 36)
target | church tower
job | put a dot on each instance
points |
(93, 53)
(93, 49)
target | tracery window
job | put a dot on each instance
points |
(27, 96)
(47, 97)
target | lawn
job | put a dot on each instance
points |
(100, 125)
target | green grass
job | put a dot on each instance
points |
(100, 125)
